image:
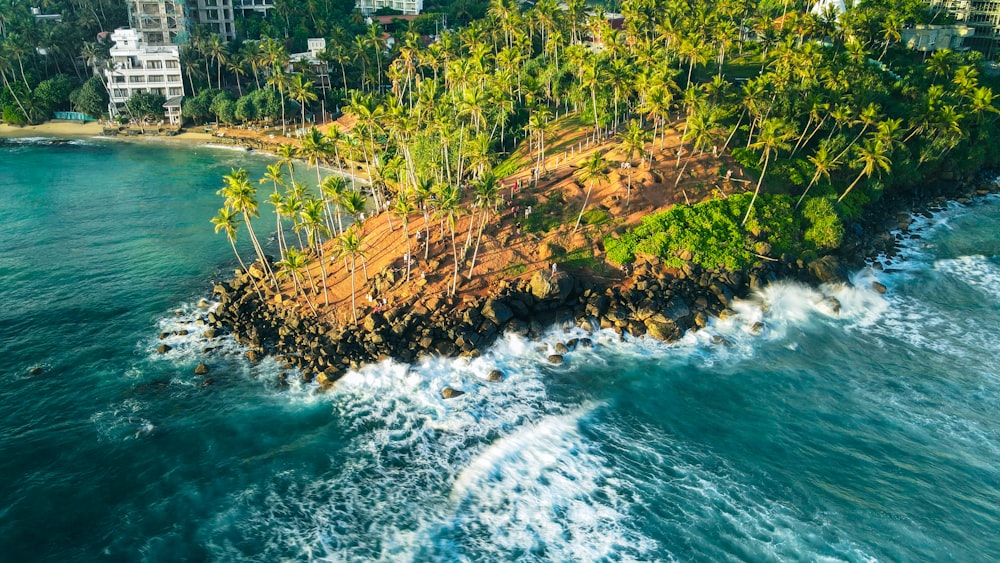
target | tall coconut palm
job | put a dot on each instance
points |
(241, 197)
(774, 136)
(487, 193)
(286, 155)
(293, 264)
(228, 221)
(449, 208)
(302, 91)
(403, 208)
(333, 189)
(823, 162)
(315, 148)
(314, 222)
(592, 170)
(873, 158)
(349, 245)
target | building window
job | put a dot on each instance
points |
(173, 78)
(119, 80)
(173, 64)
(136, 79)
(156, 78)
(176, 91)
(213, 14)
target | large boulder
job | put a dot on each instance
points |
(828, 269)
(547, 286)
(497, 311)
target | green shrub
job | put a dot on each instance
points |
(596, 217)
(824, 228)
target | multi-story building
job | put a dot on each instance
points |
(160, 22)
(139, 67)
(368, 7)
(247, 7)
(982, 16)
(216, 15)
(320, 69)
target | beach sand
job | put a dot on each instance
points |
(71, 129)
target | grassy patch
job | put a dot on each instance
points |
(514, 270)
(596, 217)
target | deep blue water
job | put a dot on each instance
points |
(868, 434)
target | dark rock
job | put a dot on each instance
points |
(555, 359)
(252, 355)
(163, 348)
(495, 376)
(164, 335)
(201, 369)
(757, 328)
(879, 288)
(37, 370)
(207, 381)
(209, 333)
(828, 269)
(561, 348)
(497, 311)
(182, 332)
(586, 343)
(449, 393)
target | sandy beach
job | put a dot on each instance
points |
(71, 129)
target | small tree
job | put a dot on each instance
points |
(143, 105)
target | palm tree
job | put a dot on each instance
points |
(873, 157)
(228, 221)
(349, 245)
(286, 154)
(449, 198)
(774, 136)
(403, 208)
(293, 264)
(301, 91)
(241, 197)
(487, 192)
(333, 189)
(592, 170)
(273, 175)
(315, 147)
(314, 222)
(823, 162)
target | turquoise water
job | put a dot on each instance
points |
(865, 434)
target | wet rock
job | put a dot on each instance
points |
(555, 359)
(757, 328)
(163, 348)
(201, 369)
(561, 348)
(182, 332)
(586, 343)
(37, 370)
(449, 393)
(207, 381)
(495, 376)
(828, 269)
(879, 288)
(209, 333)
(252, 355)
(700, 320)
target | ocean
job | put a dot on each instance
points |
(864, 432)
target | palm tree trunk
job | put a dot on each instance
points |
(767, 158)
(851, 187)
(586, 200)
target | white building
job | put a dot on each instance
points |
(138, 67)
(311, 57)
(409, 7)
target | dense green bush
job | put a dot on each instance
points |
(711, 232)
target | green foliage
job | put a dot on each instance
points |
(825, 229)
(246, 110)
(746, 158)
(143, 105)
(596, 217)
(91, 98)
(710, 231)
(13, 115)
(51, 95)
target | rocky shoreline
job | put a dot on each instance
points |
(653, 301)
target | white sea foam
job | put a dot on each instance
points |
(123, 421)
(977, 271)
